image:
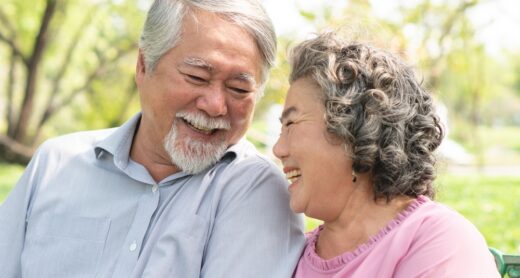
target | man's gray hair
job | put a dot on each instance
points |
(163, 27)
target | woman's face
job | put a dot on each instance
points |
(315, 162)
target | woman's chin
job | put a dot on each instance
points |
(295, 207)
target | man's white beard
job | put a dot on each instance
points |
(190, 155)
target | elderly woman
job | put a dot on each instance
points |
(357, 142)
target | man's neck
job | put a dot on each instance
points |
(151, 155)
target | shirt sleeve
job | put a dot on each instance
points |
(449, 246)
(255, 234)
(13, 219)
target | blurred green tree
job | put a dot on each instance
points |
(69, 58)
(440, 39)
(68, 65)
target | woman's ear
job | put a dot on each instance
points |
(140, 68)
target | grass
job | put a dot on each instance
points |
(491, 203)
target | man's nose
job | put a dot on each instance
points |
(213, 102)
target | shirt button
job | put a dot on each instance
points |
(154, 188)
(133, 246)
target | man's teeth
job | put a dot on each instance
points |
(201, 128)
(293, 175)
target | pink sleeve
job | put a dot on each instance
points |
(447, 246)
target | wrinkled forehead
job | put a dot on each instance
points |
(197, 20)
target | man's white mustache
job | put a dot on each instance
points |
(203, 121)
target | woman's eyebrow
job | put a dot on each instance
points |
(287, 112)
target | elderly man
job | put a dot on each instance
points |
(175, 191)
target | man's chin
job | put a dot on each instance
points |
(194, 156)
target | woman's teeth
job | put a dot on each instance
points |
(293, 175)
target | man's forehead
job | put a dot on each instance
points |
(220, 31)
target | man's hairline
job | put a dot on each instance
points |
(265, 68)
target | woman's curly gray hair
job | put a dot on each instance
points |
(376, 105)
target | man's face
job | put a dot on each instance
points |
(200, 98)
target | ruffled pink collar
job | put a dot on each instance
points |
(339, 261)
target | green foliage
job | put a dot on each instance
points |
(308, 15)
(255, 135)
(501, 145)
(278, 83)
(311, 223)
(439, 38)
(497, 145)
(9, 175)
(84, 79)
(107, 48)
(514, 72)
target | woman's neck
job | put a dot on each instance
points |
(361, 219)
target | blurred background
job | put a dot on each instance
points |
(69, 65)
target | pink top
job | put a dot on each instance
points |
(427, 239)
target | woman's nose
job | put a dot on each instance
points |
(279, 148)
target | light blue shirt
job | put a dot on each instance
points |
(83, 208)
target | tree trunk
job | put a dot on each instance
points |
(10, 92)
(14, 152)
(32, 73)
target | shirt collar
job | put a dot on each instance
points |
(239, 150)
(118, 144)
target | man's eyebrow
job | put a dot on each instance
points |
(201, 63)
(245, 77)
(287, 112)
(198, 62)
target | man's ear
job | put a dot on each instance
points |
(140, 68)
